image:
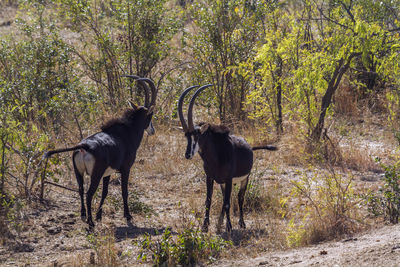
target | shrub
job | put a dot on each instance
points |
(386, 201)
(189, 247)
(10, 219)
(38, 91)
(326, 208)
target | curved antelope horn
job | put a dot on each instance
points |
(143, 85)
(153, 90)
(180, 102)
(191, 104)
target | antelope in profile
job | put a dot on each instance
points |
(226, 159)
(113, 149)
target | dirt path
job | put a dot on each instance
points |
(377, 247)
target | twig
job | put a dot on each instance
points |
(64, 187)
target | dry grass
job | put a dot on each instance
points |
(358, 159)
(346, 102)
(174, 189)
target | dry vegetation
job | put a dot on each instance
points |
(169, 192)
(301, 195)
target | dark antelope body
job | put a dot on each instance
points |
(227, 159)
(112, 150)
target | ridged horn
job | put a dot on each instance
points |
(153, 90)
(180, 103)
(191, 104)
(143, 85)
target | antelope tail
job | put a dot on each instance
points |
(273, 148)
(51, 152)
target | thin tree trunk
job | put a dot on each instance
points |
(327, 98)
(279, 122)
(2, 166)
(130, 59)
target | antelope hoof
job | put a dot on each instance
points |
(242, 224)
(128, 218)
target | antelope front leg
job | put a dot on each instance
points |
(210, 185)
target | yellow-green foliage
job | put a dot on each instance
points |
(326, 207)
(386, 201)
(302, 57)
(188, 248)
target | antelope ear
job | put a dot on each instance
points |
(150, 110)
(204, 128)
(132, 105)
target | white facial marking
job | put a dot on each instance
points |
(195, 147)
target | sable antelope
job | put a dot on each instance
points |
(113, 149)
(226, 159)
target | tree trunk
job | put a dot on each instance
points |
(341, 68)
(3, 163)
(279, 122)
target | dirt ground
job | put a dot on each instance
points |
(54, 235)
(174, 189)
(377, 247)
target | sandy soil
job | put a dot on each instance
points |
(55, 236)
(378, 247)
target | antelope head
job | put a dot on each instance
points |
(148, 105)
(192, 132)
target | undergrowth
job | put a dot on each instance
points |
(187, 248)
(105, 252)
(258, 198)
(135, 205)
(325, 207)
(10, 215)
(386, 200)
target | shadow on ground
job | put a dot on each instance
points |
(240, 236)
(131, 231)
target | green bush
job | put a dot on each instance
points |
(386, 201)
(10, 219)
(39, 91)
(189, 247)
